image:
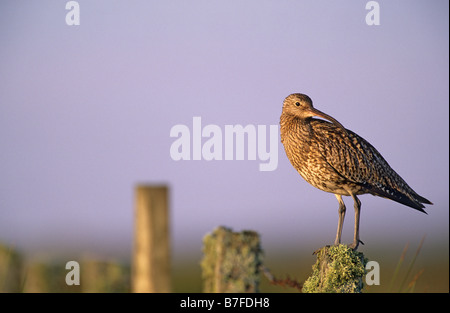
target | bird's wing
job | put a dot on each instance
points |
(356, 160)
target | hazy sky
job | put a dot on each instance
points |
(86, 114)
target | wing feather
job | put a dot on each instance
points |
(356, 160)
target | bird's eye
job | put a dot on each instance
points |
(297, 104)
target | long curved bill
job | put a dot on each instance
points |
(315, 112)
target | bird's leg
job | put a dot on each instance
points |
(341, 219)
(356, 240)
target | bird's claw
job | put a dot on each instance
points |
(355, 244)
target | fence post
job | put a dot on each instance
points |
(339, 269)
(151, 262)
(231, 261)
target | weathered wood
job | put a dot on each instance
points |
(231, 261)
(339, 269)
(151, 261)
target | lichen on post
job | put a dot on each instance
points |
(339, 269)
(231, 261)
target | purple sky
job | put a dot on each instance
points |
(86, 113)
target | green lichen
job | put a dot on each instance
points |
(338, 269)
(231, 261)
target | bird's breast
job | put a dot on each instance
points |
(305, 152)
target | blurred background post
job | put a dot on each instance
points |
(151, 259)
(231, 261)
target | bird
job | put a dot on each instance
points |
(337, 160)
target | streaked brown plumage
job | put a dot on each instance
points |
(337, 160)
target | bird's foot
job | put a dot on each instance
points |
(355, 244)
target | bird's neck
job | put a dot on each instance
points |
(293, 124)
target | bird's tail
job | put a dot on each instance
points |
(423, 200)
(411, 199)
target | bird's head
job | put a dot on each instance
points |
(301, 106)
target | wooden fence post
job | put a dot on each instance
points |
(151, 262)
(338, 269)
(231, 261)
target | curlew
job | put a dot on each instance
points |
(337, 160)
